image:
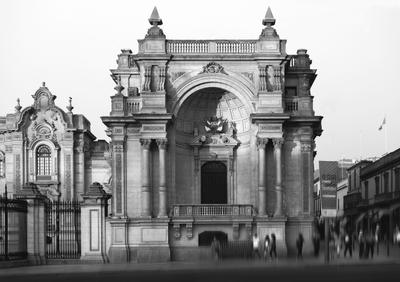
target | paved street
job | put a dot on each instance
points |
(222, 272)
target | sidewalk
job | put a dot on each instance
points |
(382, 258)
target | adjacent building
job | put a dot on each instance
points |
(374, 195)
(54, 149)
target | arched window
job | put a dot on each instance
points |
(43, 162)
(2, 165)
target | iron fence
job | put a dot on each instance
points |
(13, 219)
(63, 232)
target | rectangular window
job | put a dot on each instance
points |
(377, 185)
(366, 196)
(291, 91)
(386, 182)
(397, 179)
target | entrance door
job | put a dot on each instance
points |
(214, 183)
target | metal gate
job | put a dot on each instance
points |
(13, 214)
(63, 230)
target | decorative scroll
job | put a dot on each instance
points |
(262, 84)
(68, 176)
(17, 172)
(147, 78)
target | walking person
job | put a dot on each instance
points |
(267, 245)
(370, 241)
(256, 246)
(316, 243)
(272, 250)
(361, 243)
(348, 244)
(215, 249)
(299, 245)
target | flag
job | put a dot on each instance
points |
(383, 123)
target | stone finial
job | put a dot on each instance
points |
(269, 19)
(119, 87)
(155, 18)
(70, 107)
(18, 106)
(43, 84)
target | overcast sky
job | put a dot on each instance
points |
(354, 45)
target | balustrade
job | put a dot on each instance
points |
(208, 46)
(212, 210)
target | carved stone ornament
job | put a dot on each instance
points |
(118, 147)
(177, 231)
(261, 142)
(145, 143)
(306, 147)
(213, 67)
(162, 143)
(278, 142)
(189, 230)
(215, 125)
(44, 100)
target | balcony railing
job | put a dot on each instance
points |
(211, 46)
(214, 210)
(386, 197)
(352, 200)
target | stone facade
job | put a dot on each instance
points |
(186, 112)
(54, 149)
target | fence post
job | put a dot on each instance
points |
(36, 223)
(93, 224)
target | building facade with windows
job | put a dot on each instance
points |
(210, 138)
(374, 195)
(54, 149)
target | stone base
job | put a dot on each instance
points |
(118, 254)
(190, 253)
(94, 258)
(150, 254)
(36, 259)
(297, 225)
(276, 225)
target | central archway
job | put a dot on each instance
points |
(214, 188)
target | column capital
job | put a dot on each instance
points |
(261, 142)
(162, 143)
(306, 147)
(278, 142)
(145, 142)
(118, 147)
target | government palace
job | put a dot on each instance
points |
(207, 138)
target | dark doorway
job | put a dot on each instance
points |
(213, 183)
(206, 237)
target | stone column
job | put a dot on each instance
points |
(93, 224)
(36, 223)
(261, 142)
(278, 184)
(146, 199)
(119, 193)
(162, 189)
(307, 175)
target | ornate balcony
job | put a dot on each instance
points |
(387, 197)
(212, 210)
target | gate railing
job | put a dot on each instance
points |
(63, 232)
(12, 228)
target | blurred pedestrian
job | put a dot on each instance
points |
(348, 244)
(370, 242)
(361, 243)
(316, 243)
(272, 250)
(215, 249)
(299, 245)
(256, 246)
(267, 245)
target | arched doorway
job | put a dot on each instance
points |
(214, 183)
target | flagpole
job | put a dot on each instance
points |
(386, 139)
